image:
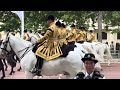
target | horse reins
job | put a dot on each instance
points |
(26, 49)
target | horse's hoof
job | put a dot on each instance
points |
(2, 77)
(19, 69)
(10, 74)
(13, 71)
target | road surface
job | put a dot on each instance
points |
(112, 72)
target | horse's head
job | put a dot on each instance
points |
(4, 44)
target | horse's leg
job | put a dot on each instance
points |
(60, 76)
(11, 71)
(3, 71)
(29, 75)
(98, 67)
(39, 77)
(5, 64)
(109, 58)
(19, 68)
(109, 62)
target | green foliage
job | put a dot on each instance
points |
(33, 19)
(10, 20)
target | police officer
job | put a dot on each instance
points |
(90, 72)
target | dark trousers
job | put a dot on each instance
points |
(39, 59)
(71, 43)
(66, 49)
(39, 63)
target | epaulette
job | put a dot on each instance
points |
(98, 74)
(80, 75)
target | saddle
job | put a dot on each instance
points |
(66, 49)
(81, 42)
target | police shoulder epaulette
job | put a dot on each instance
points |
(97, 73)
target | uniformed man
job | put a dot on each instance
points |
(49, 47)
(26, 35)
(90, 72)
(71, 38)
(65, 47)
(62, 33)
(92, 37)
(81, 36)
(85, 33)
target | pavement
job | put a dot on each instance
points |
(112, 72)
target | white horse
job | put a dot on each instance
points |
(102, 49)
(33, 38)
(71, 64)
(84, 48)
(88, 49)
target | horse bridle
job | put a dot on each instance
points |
(5, 44)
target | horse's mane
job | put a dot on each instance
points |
(20, 40)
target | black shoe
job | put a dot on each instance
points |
(34, 70)
(38, 73)
(2, 77)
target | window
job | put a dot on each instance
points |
(118, 35)
(104, 35)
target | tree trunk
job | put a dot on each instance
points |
(100, 26)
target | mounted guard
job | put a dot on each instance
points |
(92, 37)
(52, 45)
(81, 36)
(26, 35)
(71, 38)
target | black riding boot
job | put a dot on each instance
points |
(38, 66)
(35, 47)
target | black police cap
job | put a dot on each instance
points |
(90, 57)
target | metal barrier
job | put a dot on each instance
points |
(115, 54)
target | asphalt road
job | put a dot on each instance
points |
(112, 72)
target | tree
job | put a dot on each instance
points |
(35, 19)
(100, 13)
(9, 20)
(112, 18)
